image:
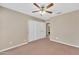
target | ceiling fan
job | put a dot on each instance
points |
(43, 8)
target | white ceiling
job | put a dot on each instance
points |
(27, 8)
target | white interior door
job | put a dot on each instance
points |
(37, 30)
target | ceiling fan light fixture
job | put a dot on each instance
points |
(43, 8)
(42, 12)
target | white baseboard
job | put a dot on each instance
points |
(17, 45)
(13, 47)
(65, 43)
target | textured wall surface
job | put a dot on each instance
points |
(65, 28)
(13, 28)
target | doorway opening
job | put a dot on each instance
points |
(47, 29)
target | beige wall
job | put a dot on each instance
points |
(65, 28)
(13, 28)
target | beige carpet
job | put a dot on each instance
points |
(43, 47)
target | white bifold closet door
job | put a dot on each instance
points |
(37, 30)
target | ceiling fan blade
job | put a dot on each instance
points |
(50, 5)
(49, 12)
(35, 11)
(36, 5)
